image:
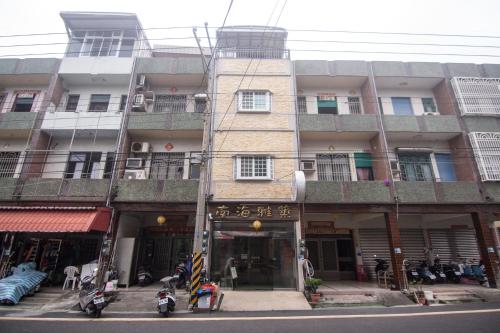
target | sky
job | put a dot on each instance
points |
(457, 17)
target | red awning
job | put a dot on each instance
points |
(54, 220)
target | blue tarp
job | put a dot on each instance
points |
(19, 284)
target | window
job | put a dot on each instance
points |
(167, 166)
(83, 165)
(72, 103)
(194, 165)
(354, 103)
(99, 103)
(327, 104)
(445, 167)
(333, 167)
(100, 43)
(123, 102)
(301, 104)
(254, 167)
(486, 146)
(254, 101)
(200, 105)
(402, 106)
(477, 95)
(8, 163)
(108, 166)
(23, 102)
(170, 103)
(416, 167)
(429, 105)
(363, 163)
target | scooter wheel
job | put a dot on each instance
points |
(164, 314)
(97, 313)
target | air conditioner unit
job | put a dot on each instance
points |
(141, 82)
(196, 158)
(308, 165)
(134, 163)
(396, 171)
(139, 147)
(139, 103)
(135, 174)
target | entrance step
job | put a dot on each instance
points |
(453, 297)
(348, 300)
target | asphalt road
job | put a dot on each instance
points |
(482, 317)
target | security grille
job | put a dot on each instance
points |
(486, 146)
(415, 167)
(374, 242)
(454, 244)
(333, 167)
(170, 103)
(354, 105)
(167, 166)
(8, 163)
(413, 244)
(301, 104)
(477, 95)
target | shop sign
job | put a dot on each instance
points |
(255, 212)
(324, 227)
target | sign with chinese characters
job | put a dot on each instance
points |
(324, 228)
(225, 211)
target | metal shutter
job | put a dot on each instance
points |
(413, 244)
(453, 244)
(373, 242)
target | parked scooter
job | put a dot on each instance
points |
(438, 270)
(144, 277)
(166, 296)
(425, 273)
(382, 266)
(411, 273)
(91, 299)
(452, 271)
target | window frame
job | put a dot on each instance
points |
(425, 101)
(419, 175)
(83, 43)
(90, 103)
(87, 172)
(9, 159)
(269, 168)
(267, 96)
(68, 103)
(14, 106)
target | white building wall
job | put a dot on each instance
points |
(415, 96)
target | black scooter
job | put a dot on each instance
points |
(438, 270)
(411, 273)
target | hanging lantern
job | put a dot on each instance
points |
(257, 225)
(161, 220)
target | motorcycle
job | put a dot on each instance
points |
(438, 270)
(91, 299)
(166, 296)
(425, 273)
(144, 277)
(382, 266)
(411, 273)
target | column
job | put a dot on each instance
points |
(392, 228)
(486, 245)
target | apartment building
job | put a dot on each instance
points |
(125, 149)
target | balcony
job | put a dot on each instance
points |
(184, 121)
(7, 188)
(47, 189)
(434, 192)
(17, 121)
(67, 121)
(152, 190)
(96, 70)
(172, 66)
(347, 192)
(28, 66)
(364, 123)
(432, 126)
(253, 53)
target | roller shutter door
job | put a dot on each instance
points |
(453, 244)
(413, 244)
(373, 242)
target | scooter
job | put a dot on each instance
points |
(144, 277)
(382, 266)
(91, 299)
(425, 273)
(166, 296)
(452, 271)
(438, 270)
(411, 273)
(184, 275)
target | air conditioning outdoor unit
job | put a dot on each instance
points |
(139, 147)
(396, 171)
(141, 82)
(134, 163)
(139, 103)
(308, 165)
(196, 158)
(135, 174)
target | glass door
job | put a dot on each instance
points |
(332, 258)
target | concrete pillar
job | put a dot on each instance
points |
(395, 247)
(486, 245)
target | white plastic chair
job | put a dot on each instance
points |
(71, 272)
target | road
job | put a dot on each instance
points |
(478, 317)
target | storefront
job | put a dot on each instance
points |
(253, 246)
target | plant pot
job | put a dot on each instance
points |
(315, 298)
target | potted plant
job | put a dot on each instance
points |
(311, 287)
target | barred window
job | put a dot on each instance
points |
(486, 147)
(83, 165)
(354, 103)
(167, 166)
(170, 103)
(334, 167)
(254, 101)
(416, 167)
(8, 163)
(254, 167)
(301, 104)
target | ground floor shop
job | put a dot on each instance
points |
(152, 241)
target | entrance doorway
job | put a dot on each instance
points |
(332, 257)
(244, 259)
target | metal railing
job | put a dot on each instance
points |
(8, 163)
(301, 104)
(170, 103)
(477, 95)
(333, 167)
(253, 53)
(486, 146)
(354, 104)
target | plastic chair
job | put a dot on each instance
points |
(71, 272)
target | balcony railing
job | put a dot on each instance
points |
(486, 147)
(477, 95)
(253, 53)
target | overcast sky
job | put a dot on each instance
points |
(478, 17)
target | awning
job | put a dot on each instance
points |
(54, 219)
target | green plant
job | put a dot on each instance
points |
(313, 284)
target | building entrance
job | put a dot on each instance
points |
(243, 258)
(332, 257)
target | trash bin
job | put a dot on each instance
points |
(206, 296)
